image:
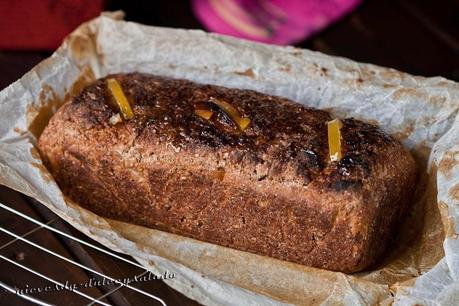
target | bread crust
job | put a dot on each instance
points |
(270, 189)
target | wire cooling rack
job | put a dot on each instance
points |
(110, 296)
(40, 225)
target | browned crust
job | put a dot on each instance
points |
(270, 190)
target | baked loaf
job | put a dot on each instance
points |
(270, 189)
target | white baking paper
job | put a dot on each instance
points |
(422, 266)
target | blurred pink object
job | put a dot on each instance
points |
(270, 21)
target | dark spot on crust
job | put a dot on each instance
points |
(308, 164)
(261, 178)
(362, 136)
(353, 162)
(341, 185)
(311, 160)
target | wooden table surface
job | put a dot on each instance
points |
(417, 36)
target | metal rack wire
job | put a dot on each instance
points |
(47, 226)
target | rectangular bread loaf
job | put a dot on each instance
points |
(269, 188)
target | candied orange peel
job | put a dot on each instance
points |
(120, 99)
(204, 113)
(241, 122)
(334, 139)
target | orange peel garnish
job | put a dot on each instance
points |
(241, 122)
(204, 113)
(334, 139)
(120, 99)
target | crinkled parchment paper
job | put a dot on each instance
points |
(422, 264)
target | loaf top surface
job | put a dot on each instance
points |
(285, 141)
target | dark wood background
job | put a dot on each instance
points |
(417, 36)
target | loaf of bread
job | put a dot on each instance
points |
(184, 164)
